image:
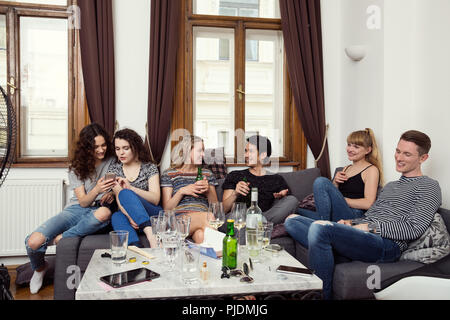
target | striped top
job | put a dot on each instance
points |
(404, 209)
(173, 178)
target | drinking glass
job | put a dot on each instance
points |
(239, 214)
(216, 215)
(169, 221)
(183, 225)
(171, 245)
(119, 244)
(267, 233)
(157, 227)
(189, 265)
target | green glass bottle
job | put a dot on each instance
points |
(199, 174)
(229, 251)
(248, 197)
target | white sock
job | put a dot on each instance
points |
(36, 280)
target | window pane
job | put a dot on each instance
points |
(264, 107)
(214, 87)
(44, 86)
(241, 8)
(52, 2)
(3, 65)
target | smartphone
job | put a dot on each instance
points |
(126, 278)
(110, 176)
(273, 247)
(295, 270)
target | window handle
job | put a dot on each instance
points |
(239, 90)
(11, 85)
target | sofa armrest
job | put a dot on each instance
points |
(66, 256)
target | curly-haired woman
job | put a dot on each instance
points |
(137, 188)
(85, 213)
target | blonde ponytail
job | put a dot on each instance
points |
(375, 157)
(366, 138)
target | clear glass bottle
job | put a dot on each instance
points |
(254, 227)
(254, 213)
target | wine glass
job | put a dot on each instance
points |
(169, 221)
(216, 215)
(183, 225)
(239, 214)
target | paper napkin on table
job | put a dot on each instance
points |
(212, 243)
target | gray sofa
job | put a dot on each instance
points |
(350, 277)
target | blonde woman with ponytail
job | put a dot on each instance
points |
(354, 189)
(180, 190)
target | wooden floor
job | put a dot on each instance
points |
(23, 293)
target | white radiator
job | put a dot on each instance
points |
(25, 205)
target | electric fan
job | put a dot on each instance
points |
(7, 135)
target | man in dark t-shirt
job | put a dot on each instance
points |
(274, 197)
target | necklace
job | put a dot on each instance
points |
(132, 172)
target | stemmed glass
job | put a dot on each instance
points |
(216, 215)
(183, 225)
(239, 214)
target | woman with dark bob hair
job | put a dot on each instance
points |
(87, 210)
(137, 187)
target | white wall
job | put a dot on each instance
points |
(401, 84)
(131, 49)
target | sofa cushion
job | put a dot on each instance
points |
(301, 182)
(445, 214)
(352, 279)
(433, 245)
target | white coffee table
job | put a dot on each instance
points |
(170, 286)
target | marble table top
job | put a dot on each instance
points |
(170, 284)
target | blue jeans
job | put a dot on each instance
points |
(330, 203)
(73, 221)
(324, 241)
(139, 209)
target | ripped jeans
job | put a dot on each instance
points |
(323, 241)
(73, 221)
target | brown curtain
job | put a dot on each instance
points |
(97, 56)
(164, 33)
(302, 34)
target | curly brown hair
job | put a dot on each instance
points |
(83, 159)
(136, 144)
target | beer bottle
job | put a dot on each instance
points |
(229, 251)
(248, 197)
(199, 174)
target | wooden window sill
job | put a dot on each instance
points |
(59, 164)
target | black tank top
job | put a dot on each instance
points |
(353, 188)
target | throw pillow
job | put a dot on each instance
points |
(433, 245)
(308, 203)
(279, 231)
(214, 160)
